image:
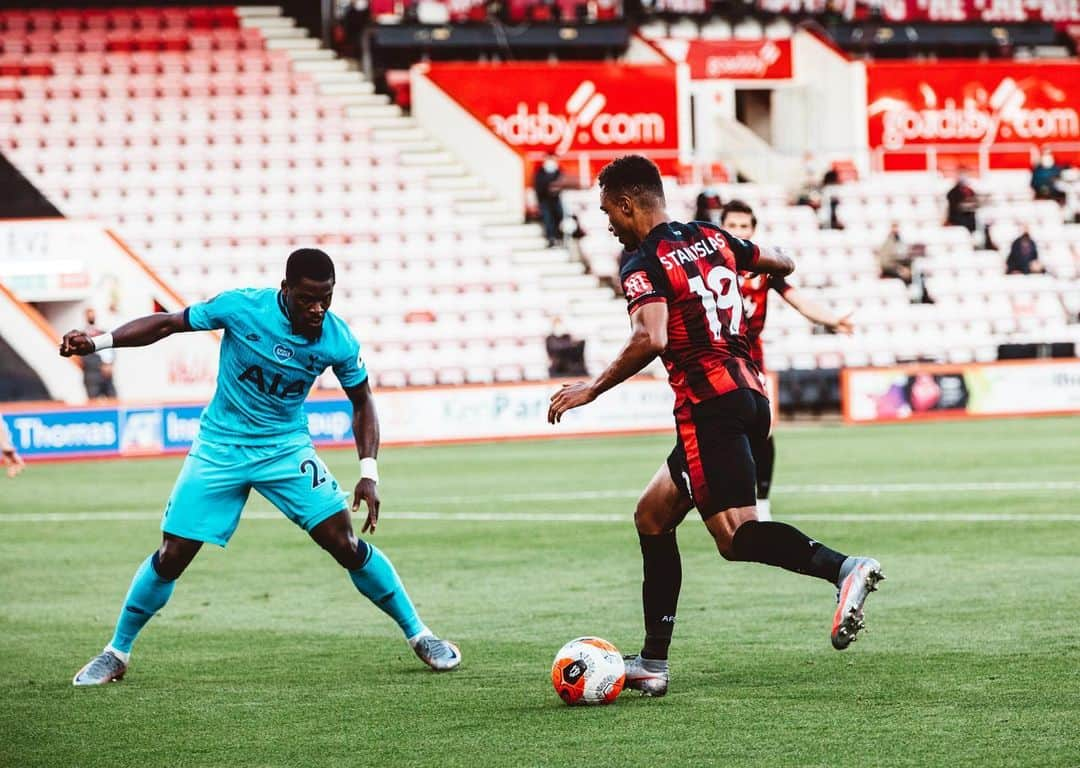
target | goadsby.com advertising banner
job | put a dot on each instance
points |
(568, 108)
(961, 391)
(732, 59)
(1004, 108)
(407, 416)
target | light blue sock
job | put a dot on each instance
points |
(378, 582)
(147, 595)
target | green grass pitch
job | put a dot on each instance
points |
(267, 656)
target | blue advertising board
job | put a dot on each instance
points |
(51, 433)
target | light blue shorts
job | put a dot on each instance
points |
(216, 479)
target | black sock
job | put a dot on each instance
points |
(782, 545)
(662, 570)
(763, 462)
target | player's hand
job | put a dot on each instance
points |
(14, 463)
(367, 493)
(570, 396)
(843, 324)
(76, 343)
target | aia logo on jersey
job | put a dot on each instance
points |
(273, 385)
(636, 285)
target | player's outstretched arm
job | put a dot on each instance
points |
(773, 260)
(139, 332)
(648, 339)
(366, 433)
(816, 313)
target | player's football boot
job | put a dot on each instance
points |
(650, 676)
(103, 668)
(859, 576)
(440, 655)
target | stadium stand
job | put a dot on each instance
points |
(214, 141)
(976, 306)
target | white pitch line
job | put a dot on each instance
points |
(570, 517)
(826, 488)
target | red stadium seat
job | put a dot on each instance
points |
(16, 22)
(122, 20)
(42, 21)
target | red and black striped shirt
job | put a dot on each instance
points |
(755, 293)
(694, 268)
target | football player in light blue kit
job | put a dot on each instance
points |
(254, 435)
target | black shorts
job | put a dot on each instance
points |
(713, 460)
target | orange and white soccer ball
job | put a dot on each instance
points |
(588, 670)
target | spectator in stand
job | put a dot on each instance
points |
(9, 457)
(355, 19)
(894, 257)
(708, 205)
(1046, 179)
(963, 202)
(98, 367)
(566, 355)
(548, 182)
(1023, 256)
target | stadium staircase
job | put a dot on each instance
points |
(752, 157)
(214, 141)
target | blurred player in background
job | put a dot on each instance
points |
(738, 218)
(254, 434)
(681, 286)
(9, 457)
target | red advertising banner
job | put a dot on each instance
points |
(1002, 112)
(732, 59)
(990, 11)
(570, 108)
(987, 11)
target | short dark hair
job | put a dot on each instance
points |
(635, 176)
(310, 263)
(738, 206)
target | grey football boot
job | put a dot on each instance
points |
(440, 655)
(650, 676)
(106, 667)
(859, 576)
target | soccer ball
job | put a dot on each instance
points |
(588, 670)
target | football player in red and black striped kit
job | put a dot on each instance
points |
(737, 218)
(681, 286)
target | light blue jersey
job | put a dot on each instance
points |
(265, 370)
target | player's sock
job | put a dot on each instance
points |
(764, 460)
(424, 632)
(379, 582)
(147, 595)
(782, 545)
(662, 569)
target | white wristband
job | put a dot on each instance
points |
(369, 469)
(103, 341)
